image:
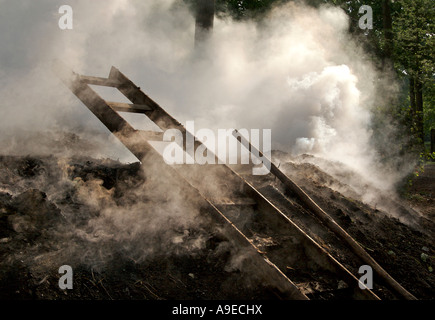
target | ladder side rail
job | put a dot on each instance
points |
(123, 130)
(293, 188)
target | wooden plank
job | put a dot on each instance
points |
(129, 107)
(234, 202)
(99, 81)
(159, 116)
(98, 106)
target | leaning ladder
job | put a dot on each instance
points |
(137, 141)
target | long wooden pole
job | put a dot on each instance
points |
(292, 187)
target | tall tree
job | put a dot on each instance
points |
(402, 41)
(400, 44)
(204, 16)
(387, 22)
(244, 9)
(414, 53)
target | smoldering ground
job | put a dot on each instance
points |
(116, 222)
(130, 233)
(297, 73)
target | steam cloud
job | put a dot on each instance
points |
(297, 73)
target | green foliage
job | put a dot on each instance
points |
(239, 9)
(254, 9)
(414, 38)
(429, 108)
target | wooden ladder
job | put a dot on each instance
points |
(247, 215)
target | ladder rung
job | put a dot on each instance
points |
(129, 107)
(234, 202)
(100, 81)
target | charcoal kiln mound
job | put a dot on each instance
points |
(127, 235)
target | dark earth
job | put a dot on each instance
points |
(120, 237)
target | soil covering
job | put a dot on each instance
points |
(128, 237)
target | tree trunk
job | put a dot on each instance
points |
(419, 109)
(412, 95)
(432, 141)
(388, 32)
(204, 19)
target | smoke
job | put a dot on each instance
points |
(79, 220)
(297, 72)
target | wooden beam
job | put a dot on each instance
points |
(129, 107)
(99, 107)
(99, 81)
(234, 202)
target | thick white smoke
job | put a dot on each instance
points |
(297, 73)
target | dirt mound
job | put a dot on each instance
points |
(127, 236)
(421, 192)
(97, 217)
(400, 239)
